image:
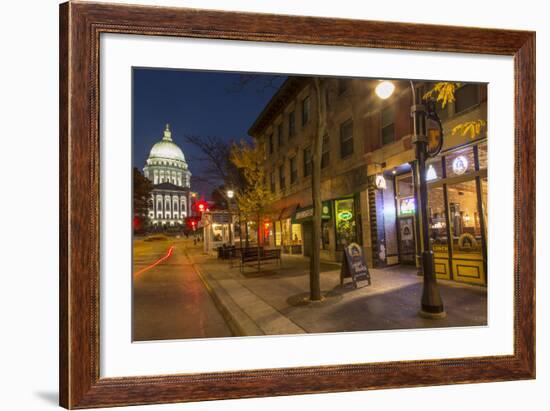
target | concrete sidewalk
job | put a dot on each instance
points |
(272, 302)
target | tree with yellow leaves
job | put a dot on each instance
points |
(255, 199)
(444, 92)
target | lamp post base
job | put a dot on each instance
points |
(431, 303)
(432, 316)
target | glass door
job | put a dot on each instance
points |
(407, 250)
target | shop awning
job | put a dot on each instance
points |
(288, 212)
(306, 213)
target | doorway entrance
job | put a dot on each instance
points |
(407, 247)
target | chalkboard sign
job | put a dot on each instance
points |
(354, 265)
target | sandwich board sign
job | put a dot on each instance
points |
(354, 265)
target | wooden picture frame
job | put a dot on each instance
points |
(80, 27)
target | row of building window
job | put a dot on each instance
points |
(293, 166)
(167, 205)
(278, 140)
(466, 97)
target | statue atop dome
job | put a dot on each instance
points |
(167, 133)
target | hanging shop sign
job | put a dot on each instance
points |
(380, 182)
(354, 265)
(434, 131)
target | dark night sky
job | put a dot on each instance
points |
(194, 103)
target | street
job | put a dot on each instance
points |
(169, 300)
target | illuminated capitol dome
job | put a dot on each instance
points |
(167, 169)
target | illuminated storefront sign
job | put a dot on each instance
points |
(460, 165)
(345, 215)
(431, 173)
(407, 206)
(305, 214)
(345, 222)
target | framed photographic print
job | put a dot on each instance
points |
(257, 205)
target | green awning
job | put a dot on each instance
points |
(304, 214)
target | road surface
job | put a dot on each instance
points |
(170, 300)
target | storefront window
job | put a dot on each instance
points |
(484, 202)
(286, 233)
(217, 232)
(464, 218)
(296, 234)
(460, 162)
(345, 222)
(278, 233)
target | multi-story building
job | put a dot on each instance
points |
(367, 180)
(167, 169)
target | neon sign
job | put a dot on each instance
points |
(407, 206)
(345, 215)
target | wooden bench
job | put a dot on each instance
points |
(257, 256)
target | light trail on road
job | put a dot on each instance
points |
(160, 260)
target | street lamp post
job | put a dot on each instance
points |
(230, 195)
(431, 302)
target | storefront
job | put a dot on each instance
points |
(457, 212)
(304, 217)
(392, 214)
(347, 222)
(218, 230)
(288, 234)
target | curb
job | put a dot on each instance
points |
(237, 320)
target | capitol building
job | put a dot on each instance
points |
(167, 169)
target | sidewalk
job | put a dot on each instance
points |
(272, 302)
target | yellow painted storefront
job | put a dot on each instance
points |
(457, 209)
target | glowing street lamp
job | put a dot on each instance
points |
(384, 89)
(431, 302)
(230, 194)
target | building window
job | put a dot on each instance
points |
(325, 157)
(280, 139)
(346, 139)
(305, 111)
(342, 86)
(307, 161)
(270, 143)
(466, 96)
(387, 119)
(293, 170)
(272, 181)
(282, 180)
(291, 124)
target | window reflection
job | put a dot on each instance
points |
(464, 218)
(437, 219)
